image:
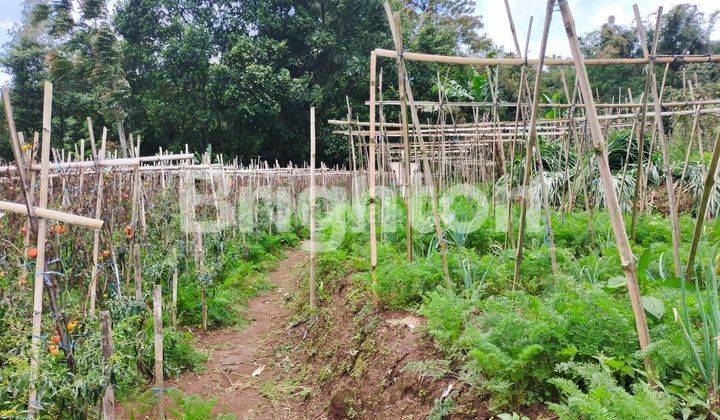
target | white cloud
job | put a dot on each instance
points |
(588, 14)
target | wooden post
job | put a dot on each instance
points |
(158, 338)
(33, 406)
(529, 150)
(674, 222)
(313, 238)
(621, 239)
(106, 344)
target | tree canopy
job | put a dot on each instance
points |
(240, 75)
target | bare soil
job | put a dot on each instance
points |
(241, 360)
(348, 360)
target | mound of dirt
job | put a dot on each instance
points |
(357, 359)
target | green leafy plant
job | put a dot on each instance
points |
(601, 397)
(705, 350)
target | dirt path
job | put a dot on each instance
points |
(241, 360)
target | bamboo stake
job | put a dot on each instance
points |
(15, 145)
(43, 213)
(371, 180)
(674, 222)
(485, 61)
(28, 221)
(394, 21)
(82, 158)
(33, 404)
(695, 128)
(621, 239)
(509, 239)
(313, 303)
(137, 270)
(173, 308)
(158, 341)
(641, 136)
(702, 211)
(529, 150)
(407, 191)
(643, 188)
(106, 344)
(98, 214)
(121, 135)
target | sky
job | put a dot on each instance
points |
(589, 15)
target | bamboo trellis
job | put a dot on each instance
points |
(477, 151)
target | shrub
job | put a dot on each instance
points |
(603, 398)
(514, 341)
(444, 312)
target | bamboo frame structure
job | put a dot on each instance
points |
(621, 239)
(471, 147)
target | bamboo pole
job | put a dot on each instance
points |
(313, 302)
(33, 404)
(626, 106)
(106, 344)
(641, 144)
(52, 215)
(158, 341)
(407, 191)
(98, 214)
(702, 211)
(541, 173)
(394, 21)
(28, 221)
(371, 180)
(643, 187)
(640, 179)
(509, 240)
(484, 61)
(121, 135)
(674, 222)
(137, 271)
(695, 128)
(529, 150)
(173, 307)
(621, 239)
(19, 161)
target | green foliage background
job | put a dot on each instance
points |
(241, 75)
